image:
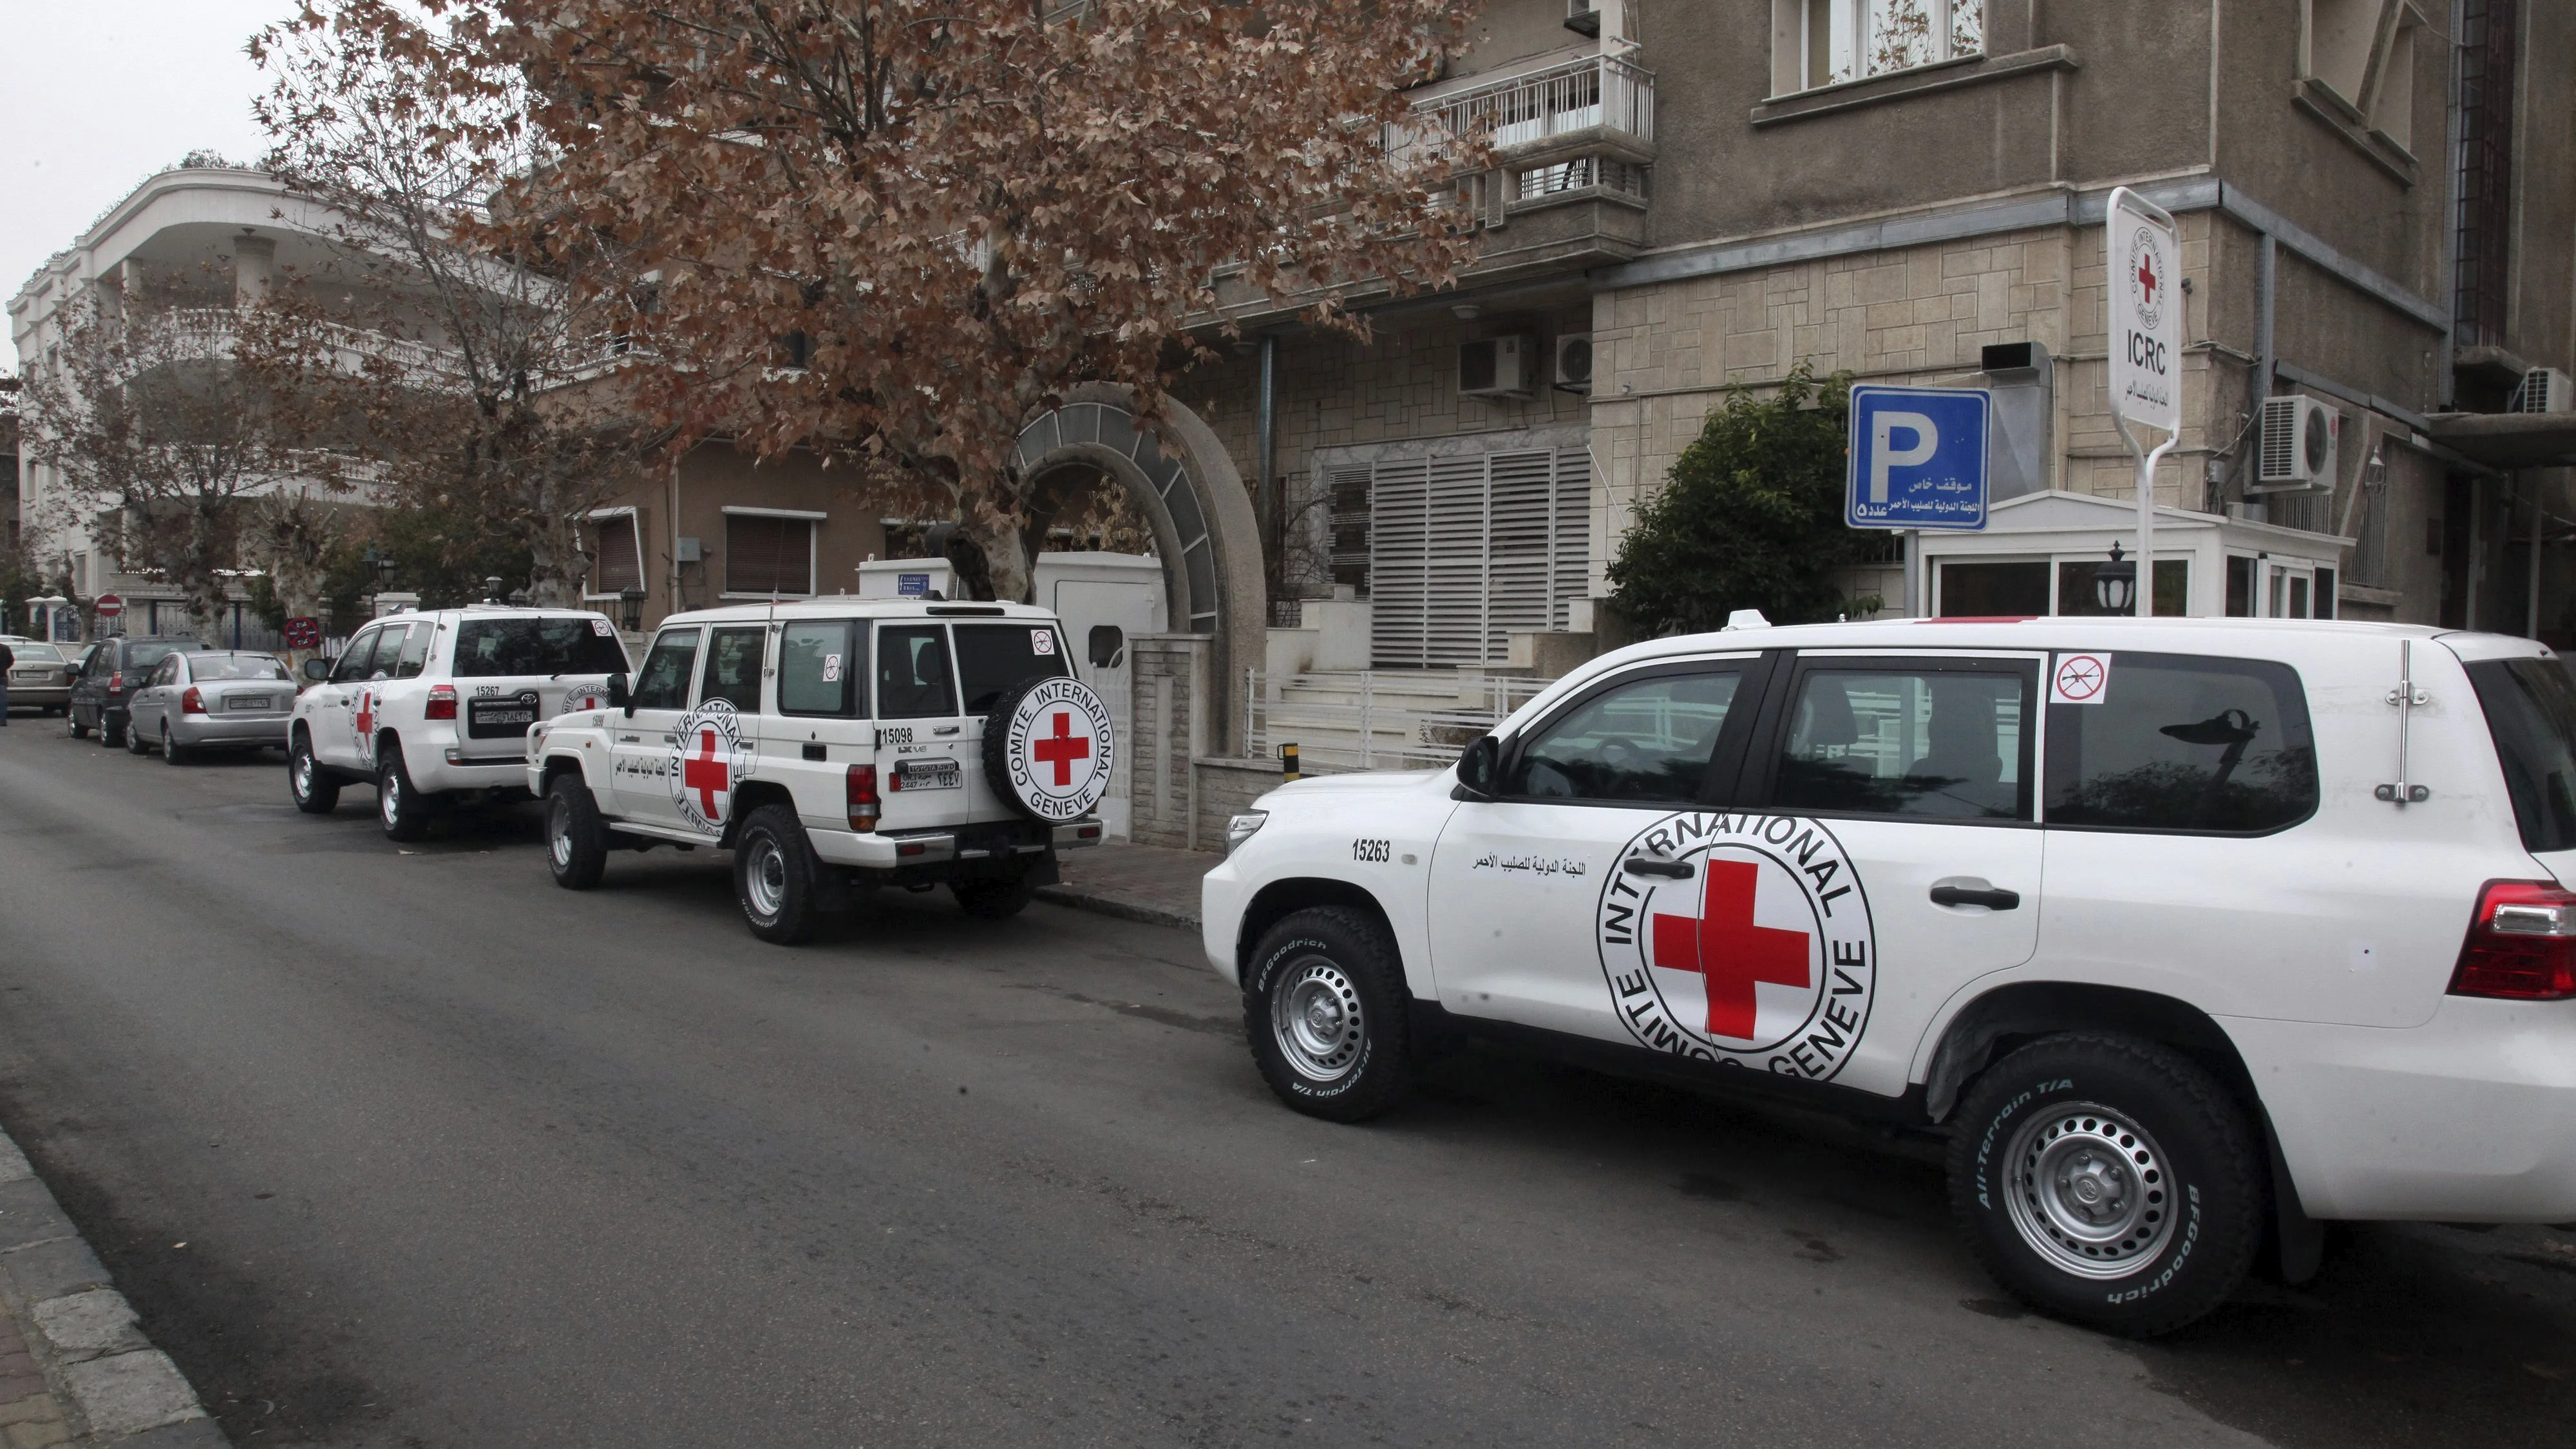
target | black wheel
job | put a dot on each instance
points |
(172, 752)
(576, 841)
(315, 792)
(1324, 1005)
(2110, 1181)
(993, 900)
(399, 808)
(135, 743)
(773, 876)
(110, 733)
(72, 724)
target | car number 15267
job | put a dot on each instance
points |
(1377, 850)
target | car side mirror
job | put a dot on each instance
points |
(619, 696)
(1478, 767)
(317, 670)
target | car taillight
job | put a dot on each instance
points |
(2522, 944)
(192, 702)
(442, 702)
(116, 682)
(863, 797)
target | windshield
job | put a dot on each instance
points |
(208, 667)
(2531, 710)
(488, 647)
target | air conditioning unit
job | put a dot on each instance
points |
(1496, 367)
(2299, 445)
(1574, 364)
(2543, 390)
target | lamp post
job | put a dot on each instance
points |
(630, 610)
(2115, 584)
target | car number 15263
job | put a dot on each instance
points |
(1377, 850)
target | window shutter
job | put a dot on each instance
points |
(617, 558)
(1522, 528)
(1573, 549)
(1464, 550)
(1399, 562)
(768, 555)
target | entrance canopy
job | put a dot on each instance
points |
(2040, 552)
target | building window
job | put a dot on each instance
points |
(2364, 51)
(1467, 549)
(1843, 40)
(616, 554)
(769, 555)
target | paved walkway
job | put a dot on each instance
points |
(1138, 882)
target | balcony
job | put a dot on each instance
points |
(212, 332)
(1595, 103)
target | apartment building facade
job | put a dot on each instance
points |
(1697, 195)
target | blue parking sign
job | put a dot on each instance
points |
(1918, 458)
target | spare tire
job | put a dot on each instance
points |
(1048, 748)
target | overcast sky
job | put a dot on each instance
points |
(103, 94)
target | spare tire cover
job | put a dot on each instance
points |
(1048, 748)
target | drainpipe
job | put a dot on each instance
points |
(1268, 494)
(2446, 387)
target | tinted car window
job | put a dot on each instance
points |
(663, 683)
(993, 657)
(235, 666)
(733, 667)
(353, 664)
(2530, 706)
(489, 647)
(820, 664)
(1941, 742)
(1647, 739)
(2181, 742)
(142, 656)
(912, 672)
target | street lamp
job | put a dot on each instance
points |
(631, 610)
(2115, 584)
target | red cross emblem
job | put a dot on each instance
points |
(2147, 278)
(1727, 951)
(1061, 749)
(706, 773)
(366, 717)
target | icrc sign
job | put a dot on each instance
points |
(2146, 312)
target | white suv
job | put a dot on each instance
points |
(833, 743)
(431, 708)
(2181, 929)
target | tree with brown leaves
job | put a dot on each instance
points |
(893, 230)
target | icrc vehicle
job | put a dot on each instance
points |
(837, 743)
(2189, 933)
(433, 708)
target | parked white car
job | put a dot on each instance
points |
(833, 743)
(434, 708)
(2271, 922)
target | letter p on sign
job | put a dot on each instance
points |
(1883, 453)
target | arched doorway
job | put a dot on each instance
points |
(1193, 500)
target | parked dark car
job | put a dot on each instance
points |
(112, 676)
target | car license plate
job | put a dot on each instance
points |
(247, 701)
(927, 775)
(495, 718)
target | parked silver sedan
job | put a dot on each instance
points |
(211, 700)
(40, 678)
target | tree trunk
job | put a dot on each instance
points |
(1006, 559)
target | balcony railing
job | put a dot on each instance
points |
(1524, 110)
(216, 328)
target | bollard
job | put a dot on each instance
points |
(1288, 764)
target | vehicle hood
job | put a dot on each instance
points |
(1367, 782)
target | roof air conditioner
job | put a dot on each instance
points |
(1574, 364)
(1496, 367)
(2543, 390)
(2299, 441)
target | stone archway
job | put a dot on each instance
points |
(1193, 499)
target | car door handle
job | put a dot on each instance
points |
(1979, 894)
(1647, 865)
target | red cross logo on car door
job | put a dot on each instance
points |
(706, 762)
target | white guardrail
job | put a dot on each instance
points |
(1370, 720)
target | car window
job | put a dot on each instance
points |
(353, 661)
(2182, 742)
(820, 664)
(141, 656)
(1646, 739)
(912, 672)
(993, 657)
(663, 683)
(415, 651)
(389, 647)
(2530, 706)
(36, 653)
(235, 666)
(1939, 741)
(167, 672)
(733, 667)
(489, 647)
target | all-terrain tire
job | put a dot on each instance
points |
(316, 792)
(2108, 1180)
(576, 838)
(400, 809)
(1326, 1012)
(773, 876)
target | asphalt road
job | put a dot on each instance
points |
(404, 1146)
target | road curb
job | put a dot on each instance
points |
(1082, 900)
(127, 1394)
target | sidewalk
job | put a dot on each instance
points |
(75, 1369)
(1138, 882)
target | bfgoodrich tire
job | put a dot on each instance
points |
(1324, 1007)
(2108, 1180)
(773, 876)
(315, 792)
(576, 839)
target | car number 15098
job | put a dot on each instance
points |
(1377, 850)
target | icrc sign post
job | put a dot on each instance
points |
(2146, 350)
